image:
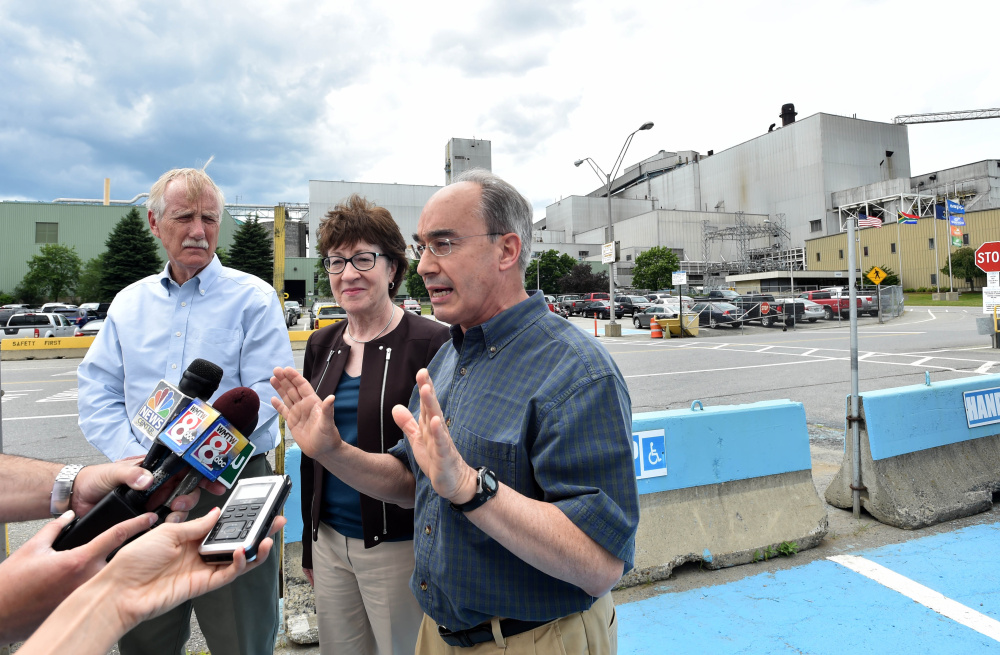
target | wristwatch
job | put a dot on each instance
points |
(486, 488)
(62, 490)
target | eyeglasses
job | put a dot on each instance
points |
(362, 261)
(442, 247)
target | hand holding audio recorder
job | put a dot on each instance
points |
(246, 518)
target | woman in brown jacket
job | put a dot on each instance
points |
(362, 559)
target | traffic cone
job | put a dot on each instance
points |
(655, 331)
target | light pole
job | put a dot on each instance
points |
(611, 228)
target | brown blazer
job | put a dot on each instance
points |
(392, 362)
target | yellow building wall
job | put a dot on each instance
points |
(913, 259)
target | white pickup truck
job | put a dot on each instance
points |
(38, 326)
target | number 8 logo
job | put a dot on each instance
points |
(187, 423)
(215, 446)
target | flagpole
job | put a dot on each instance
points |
(899, 248)
(947, 214)
(937, 268)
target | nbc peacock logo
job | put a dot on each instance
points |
(161, 402)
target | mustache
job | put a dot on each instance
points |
(195, 243)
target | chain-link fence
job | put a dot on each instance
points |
(891, 302)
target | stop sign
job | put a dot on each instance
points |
(764, 308)
(988, 257)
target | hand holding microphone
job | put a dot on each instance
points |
(209, 439)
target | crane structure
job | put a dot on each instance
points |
(945, 116)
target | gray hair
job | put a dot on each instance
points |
(197, 182)
(503, 209)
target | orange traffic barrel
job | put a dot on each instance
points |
(655, 331)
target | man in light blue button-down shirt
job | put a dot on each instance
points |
(195, 308)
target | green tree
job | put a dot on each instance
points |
(890, 279)
(54, 272)
(549, 266)
(581, 279)
(963, 266)
(28, 293)
(251, 250)
(323, 289)
(414, 283)
(130, 254)
(654, 267)
(88, 287)
(223, 256)
(6, 298)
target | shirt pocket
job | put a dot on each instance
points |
(219, 345)
(498, 456)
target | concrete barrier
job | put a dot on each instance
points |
(723, 485)
(76, 347)
(929, 453)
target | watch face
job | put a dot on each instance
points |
(489, 481)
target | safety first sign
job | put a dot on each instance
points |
(649, 453)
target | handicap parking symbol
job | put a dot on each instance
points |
(649, 453)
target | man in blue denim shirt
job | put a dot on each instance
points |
(518, 456)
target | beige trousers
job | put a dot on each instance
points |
(364, 605)
(594, 632)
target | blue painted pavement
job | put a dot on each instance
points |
(823, 607)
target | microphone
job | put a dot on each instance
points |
(205, 437)
(166, 402)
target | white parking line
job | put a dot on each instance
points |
(35, 418)
(926, 596)
(985, 368)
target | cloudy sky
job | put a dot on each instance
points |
(282, 92)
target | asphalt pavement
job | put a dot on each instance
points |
(770, 606)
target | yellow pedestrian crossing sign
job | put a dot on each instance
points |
(876, 275)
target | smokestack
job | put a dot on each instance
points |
(788, 114)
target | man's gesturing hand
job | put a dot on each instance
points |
(433, 447)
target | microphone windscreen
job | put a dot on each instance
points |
(201, 379)
(240, 407)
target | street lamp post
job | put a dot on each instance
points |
(611, 228)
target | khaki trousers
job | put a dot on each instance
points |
(593, 632)
(364, 605)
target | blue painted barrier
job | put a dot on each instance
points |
(928, 453)
(293, 505)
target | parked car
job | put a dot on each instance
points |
(52, 306)
(577, 304)
(832, 305)
(717, 314)
(328, 315)
(291, 315)
(811, 311)
(867, 304)
(632, 305)
(37, 326)
(643, 318)
(295, 306)
(601, 309)
(91, 328)
(411, 305)
(566, 302)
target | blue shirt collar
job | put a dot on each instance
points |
(204, 278)
(505, 326)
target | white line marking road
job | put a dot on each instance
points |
(926, 596)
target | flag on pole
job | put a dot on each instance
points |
(939, 213)
(908, 219)
(869, 221)
(956, 231)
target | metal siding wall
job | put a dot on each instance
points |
(912, 245)
(84, 227)
(404, 202)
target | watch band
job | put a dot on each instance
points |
(486, 488)
(62, 490)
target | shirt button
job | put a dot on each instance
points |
(423, 586)
(493, 349)
(462, 371)
(184, 304)
(178, 334)
(173, 366)
(202, 292)
(427, 529)
(447, 422)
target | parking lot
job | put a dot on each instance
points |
(788, 603)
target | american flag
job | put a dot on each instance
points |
(869, 221)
